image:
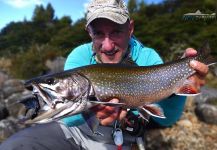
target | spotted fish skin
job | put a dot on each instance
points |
(74, 91)
(135, 85)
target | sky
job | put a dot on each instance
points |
(18, 10)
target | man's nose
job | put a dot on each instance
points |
(107, 44)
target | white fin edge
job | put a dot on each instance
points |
(187, 94)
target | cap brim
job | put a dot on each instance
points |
(115, 17)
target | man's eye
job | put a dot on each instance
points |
(98, 34)
(116, 33)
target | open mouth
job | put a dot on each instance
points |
(60, 110)
(110, 53)
(45, 116)
(53, 107)
(47, 94)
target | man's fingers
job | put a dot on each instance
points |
(197, 81)
(98, 108)
(109, 119)
(102, 107)
(189, 52)
(106, 112)
(122, 114)
(200, 68)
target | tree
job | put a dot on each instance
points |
(38, 14)
(42, 15)
(49, 13)
(132, 6)
(159, 26)
(64, 22)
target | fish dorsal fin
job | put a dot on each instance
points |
(187, 89)
(153, 110)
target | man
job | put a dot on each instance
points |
(111, 31)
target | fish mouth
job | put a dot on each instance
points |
(46, 104)
(54, 105)
(50, 91)
(47, 115)
(45, 94)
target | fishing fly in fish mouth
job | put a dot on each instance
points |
(77, 90)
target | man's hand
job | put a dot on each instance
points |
(108, 114)
(201, 69)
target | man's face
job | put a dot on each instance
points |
(110, 40)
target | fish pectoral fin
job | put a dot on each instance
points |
(153, 110)
(107, 103)
(188, 89)
(91, 121)
(144, 115)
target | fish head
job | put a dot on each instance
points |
(58, 95)
(58, 87)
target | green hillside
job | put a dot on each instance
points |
(28, 44)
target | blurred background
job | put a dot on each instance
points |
(37, 35)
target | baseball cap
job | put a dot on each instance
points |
(114, 10)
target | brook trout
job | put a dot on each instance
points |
(75, 91)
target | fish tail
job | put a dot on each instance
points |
(205, 54)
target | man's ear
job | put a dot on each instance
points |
(88, 30)
(131, 27)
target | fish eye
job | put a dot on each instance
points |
(49, 81)
(29, 87)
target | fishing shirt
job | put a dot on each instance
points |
(143, 56)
